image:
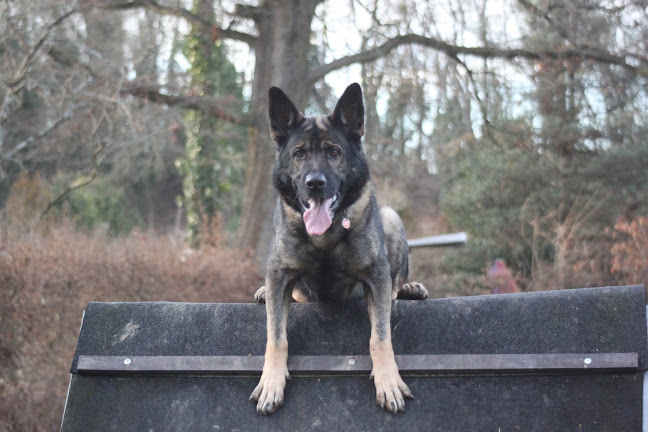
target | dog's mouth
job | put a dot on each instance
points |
(318, 214)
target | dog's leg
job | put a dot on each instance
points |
(390, 388)
(300, 294)
(270, 392)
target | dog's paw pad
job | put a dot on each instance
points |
(412, 291)
(260, 295)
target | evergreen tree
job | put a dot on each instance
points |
(542, 189)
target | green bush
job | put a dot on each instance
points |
(101, 206)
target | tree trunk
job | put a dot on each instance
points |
(280, 60)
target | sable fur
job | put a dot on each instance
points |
(320, 160)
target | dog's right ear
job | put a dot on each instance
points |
(284, 117)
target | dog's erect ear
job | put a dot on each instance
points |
(284, 117)
(349, 111)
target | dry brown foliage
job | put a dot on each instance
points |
(27, 199)
(47, 280)
(630, 250)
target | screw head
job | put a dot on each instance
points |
(588, 360)
(352, 361)
(127, 361)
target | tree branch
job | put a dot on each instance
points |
(223, 33)
(480, 102)
(78, 184)
(217, 106)
(16, 83)
(563, 33)
(248, 11)
(20, 146)
(481, 52)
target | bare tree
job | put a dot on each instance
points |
(62, 112)
(279, 34)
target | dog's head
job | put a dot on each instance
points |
(320, 168)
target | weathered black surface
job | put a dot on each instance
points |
(544, 403)
(570, 321)
(597, 320)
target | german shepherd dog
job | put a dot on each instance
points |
(330, 240)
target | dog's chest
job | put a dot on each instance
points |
(332, 278)
(334, 273)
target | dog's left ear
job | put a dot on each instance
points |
(349, 111)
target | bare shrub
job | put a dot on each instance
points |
(28, 197)
(630, 250)
(47, 280)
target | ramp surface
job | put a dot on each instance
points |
(194, 390)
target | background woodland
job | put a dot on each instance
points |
(135, 155)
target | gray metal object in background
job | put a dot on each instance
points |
(443, 240)
(560, 360)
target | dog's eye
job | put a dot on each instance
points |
(334, 152)
(299, 154)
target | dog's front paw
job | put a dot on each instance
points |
(390, 390)
(269, 394)
(260, 295)
(412, 291)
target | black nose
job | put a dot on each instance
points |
(315, 181)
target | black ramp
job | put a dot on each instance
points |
(593, 321)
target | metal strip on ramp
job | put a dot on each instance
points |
(361, 364)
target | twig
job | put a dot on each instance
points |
(32, 139)
(482, 106)
(72, 187)
(16, 83)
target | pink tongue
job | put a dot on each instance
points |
(317, 218)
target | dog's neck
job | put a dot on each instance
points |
(356, 210)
